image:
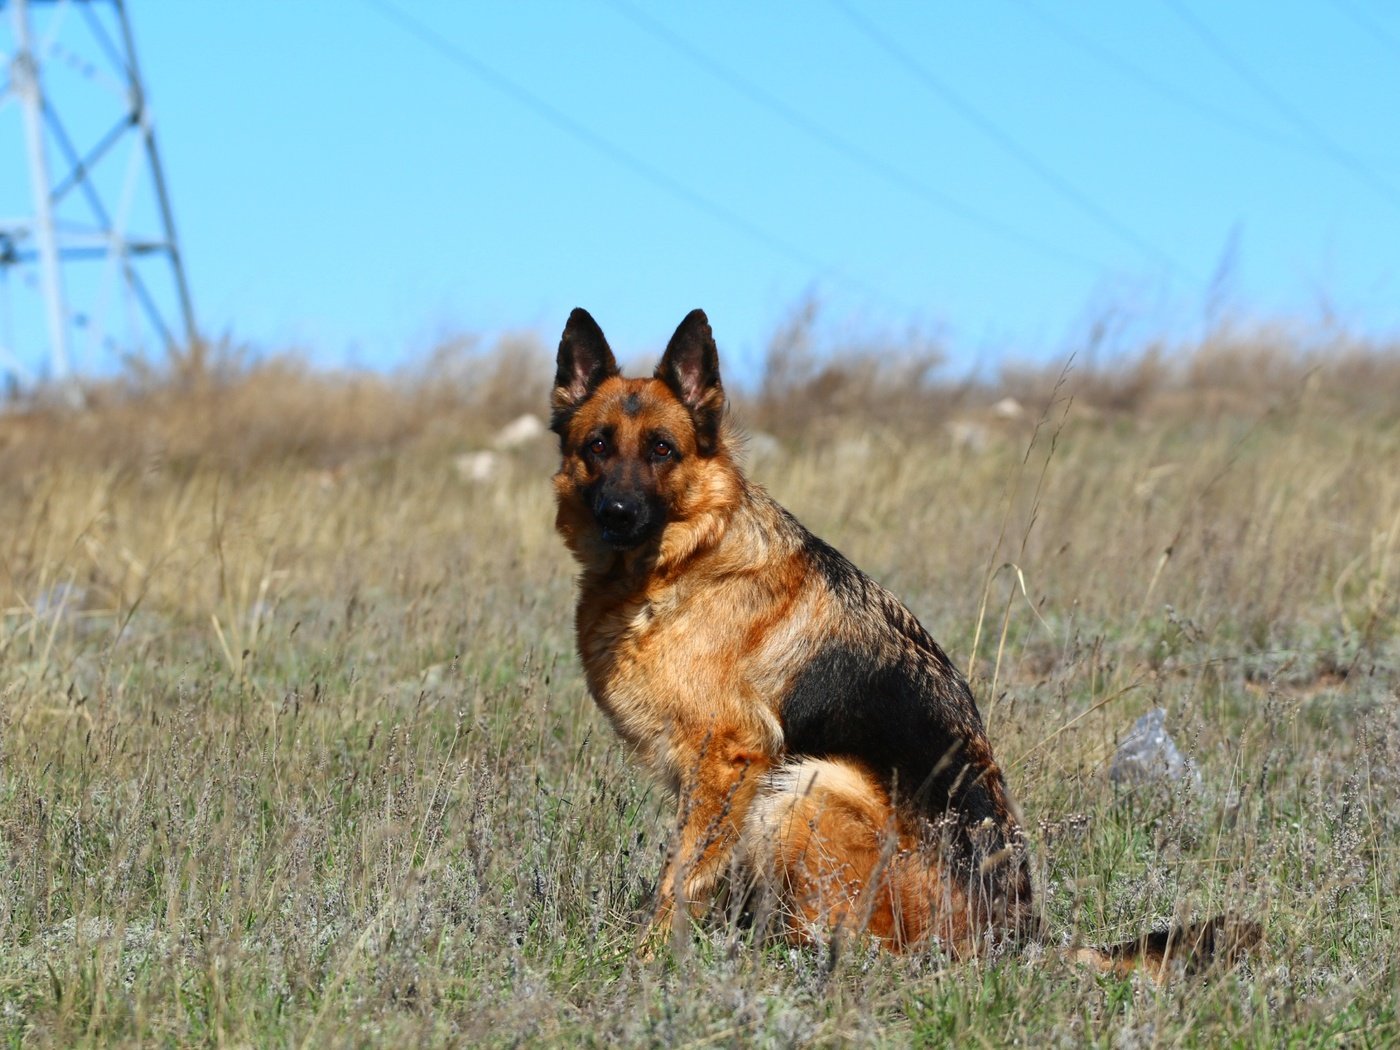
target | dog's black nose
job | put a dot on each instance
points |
(618, 516)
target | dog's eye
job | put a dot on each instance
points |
(598, 446)
(660, 450)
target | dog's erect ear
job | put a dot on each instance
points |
(584, 361)
(690, 367)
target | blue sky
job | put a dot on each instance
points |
(359, 179)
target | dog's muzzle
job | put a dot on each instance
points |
(624, 521)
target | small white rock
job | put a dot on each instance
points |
(1008, 408)
(761, 445)
(967, 434)
(477, 467)
(520, 431)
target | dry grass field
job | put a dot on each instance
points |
(294, 748)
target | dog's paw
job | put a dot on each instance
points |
(664, 934)
(655, 941)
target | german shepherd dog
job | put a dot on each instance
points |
(823, 749)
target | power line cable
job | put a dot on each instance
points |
(619, 155)
(842, 146)
(1338, 155)
(1060, 185)
(1163, 88)
(1367, 23)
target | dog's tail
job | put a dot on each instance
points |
(825, 844)
(1190, 948)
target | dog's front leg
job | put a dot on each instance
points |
(717, 782)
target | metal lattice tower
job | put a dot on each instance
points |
(91, 267)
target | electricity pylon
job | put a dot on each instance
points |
(86, 245)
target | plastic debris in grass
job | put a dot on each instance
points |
(1149, 754)
(63, 599)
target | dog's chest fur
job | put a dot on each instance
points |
(663, 663)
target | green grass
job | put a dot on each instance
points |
(294, 749)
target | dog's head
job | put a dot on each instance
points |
(633, 449)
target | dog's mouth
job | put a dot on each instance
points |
(625, 538)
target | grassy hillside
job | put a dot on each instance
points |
(294, 749)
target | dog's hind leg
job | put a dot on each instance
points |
(823, 840)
